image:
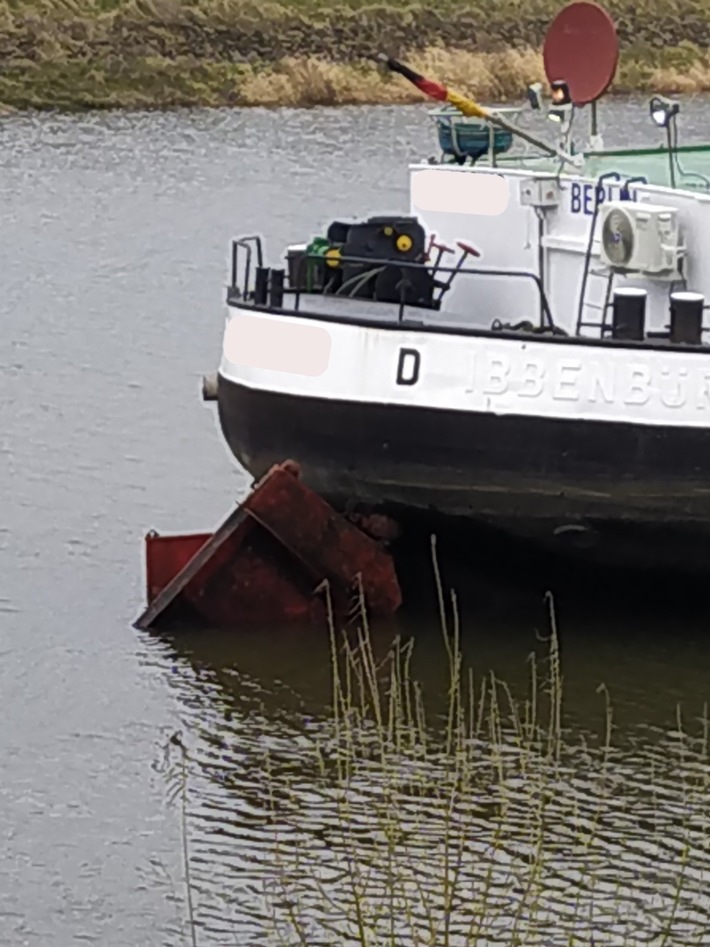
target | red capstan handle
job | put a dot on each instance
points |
(439, 246)
(467, 248)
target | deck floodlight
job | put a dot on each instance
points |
(561, 101)
(663, 114)
(663, 110)
(535, 95)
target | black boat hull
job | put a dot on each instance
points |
(610, 491)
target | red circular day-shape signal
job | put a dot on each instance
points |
(582, 49)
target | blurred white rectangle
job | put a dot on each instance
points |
(460, 192)
(257, 341)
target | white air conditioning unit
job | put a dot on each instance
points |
(642, 238)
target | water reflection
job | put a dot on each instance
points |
(615, 822)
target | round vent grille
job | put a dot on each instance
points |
(618, 237)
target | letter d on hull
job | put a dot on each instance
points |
(408, 367)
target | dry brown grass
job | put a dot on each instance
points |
(316, 81)
(674, 81)
(489, 77)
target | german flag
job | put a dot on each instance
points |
(436, 90)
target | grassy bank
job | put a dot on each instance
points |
(161, 53)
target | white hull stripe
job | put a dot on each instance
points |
(466, 373)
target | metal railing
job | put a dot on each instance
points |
(259, 296)
(245, 243)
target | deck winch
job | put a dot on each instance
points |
(353, 260)
(340, 261)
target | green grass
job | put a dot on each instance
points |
(161, 53)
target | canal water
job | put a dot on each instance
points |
(114, 248)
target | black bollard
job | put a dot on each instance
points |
(261, 284)
(687, 317)
(277, 288)
(629, 314)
